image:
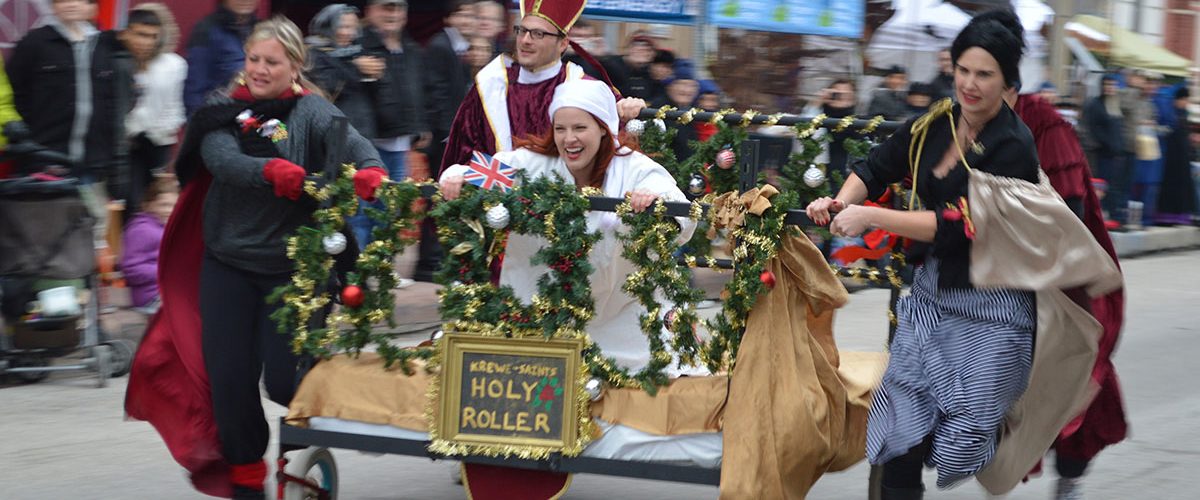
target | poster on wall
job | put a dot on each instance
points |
(805, 17)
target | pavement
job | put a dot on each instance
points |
(1155, 239)
(63, 438)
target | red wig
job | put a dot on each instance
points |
(544, 144)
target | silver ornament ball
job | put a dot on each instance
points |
(594, 389)
(696, 185)
(497, 217)
(436, 336)
(814, 177)
(334, 243)
(635, 127)
(662, 126)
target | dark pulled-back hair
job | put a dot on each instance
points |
(141, 16)
(1000, 33)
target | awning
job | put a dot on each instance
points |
(1126, 48)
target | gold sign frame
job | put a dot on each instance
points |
(445, 398)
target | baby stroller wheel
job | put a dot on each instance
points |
(102, 360)
(122, 356)
(30, 377)
(315, 467)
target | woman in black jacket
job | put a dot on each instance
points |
(1104, 122)
(332, 47)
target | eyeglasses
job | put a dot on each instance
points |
(537, 34)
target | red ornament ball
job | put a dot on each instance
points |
(725, 159)
(352, 296)
(767, 278)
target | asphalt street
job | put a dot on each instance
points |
(62, 438)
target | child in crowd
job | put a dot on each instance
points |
(139, 255)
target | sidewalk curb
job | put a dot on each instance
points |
(1155, 239)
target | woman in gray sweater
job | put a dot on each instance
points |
(243, 163)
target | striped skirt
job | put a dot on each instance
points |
(960, 358)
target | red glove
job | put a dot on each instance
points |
(367, 180)
(287, 177)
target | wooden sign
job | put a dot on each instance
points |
(499, 393)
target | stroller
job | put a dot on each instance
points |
(48, 275)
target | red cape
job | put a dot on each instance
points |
(1103, 423)
(168, 384)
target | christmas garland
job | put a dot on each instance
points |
(557, 211)
(550, 208)
(367, 296)
(650, 246)
(756, 239)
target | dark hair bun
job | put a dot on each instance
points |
(1000, 33)
(1008, 20)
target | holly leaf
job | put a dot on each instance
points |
(558, 391)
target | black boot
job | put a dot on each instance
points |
(903, 493)
(244, 493)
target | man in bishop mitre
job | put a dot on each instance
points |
(511, 96)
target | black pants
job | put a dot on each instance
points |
(904, 471)
(1070, 468)
(240, 345)
(429, 250)
(145, 158)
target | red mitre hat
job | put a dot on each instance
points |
(561, 13)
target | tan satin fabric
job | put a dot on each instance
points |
(1027, 238)
(688, 405)
(361, 389)
(791, 416)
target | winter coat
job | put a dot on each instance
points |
(449, 79)
(890, 104)
(333, 70)
(1105, 130)
(45, 78)
(139, 257)
(399, 98)
(158, 110)
(8, 111)
(214, 55)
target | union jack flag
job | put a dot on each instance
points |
(488, 172)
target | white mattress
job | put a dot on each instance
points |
(617, 442)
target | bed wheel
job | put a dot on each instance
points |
(316, 466)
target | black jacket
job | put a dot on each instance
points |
(42, 74)
(334, 71)
(633, 82)
(400, 99)
(1006, 149)
(1105, 130)
(447, 82)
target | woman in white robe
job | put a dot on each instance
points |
(584, 146)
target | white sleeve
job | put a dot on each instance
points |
(452, 170)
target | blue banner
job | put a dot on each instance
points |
(842, 18)
(636, 10)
